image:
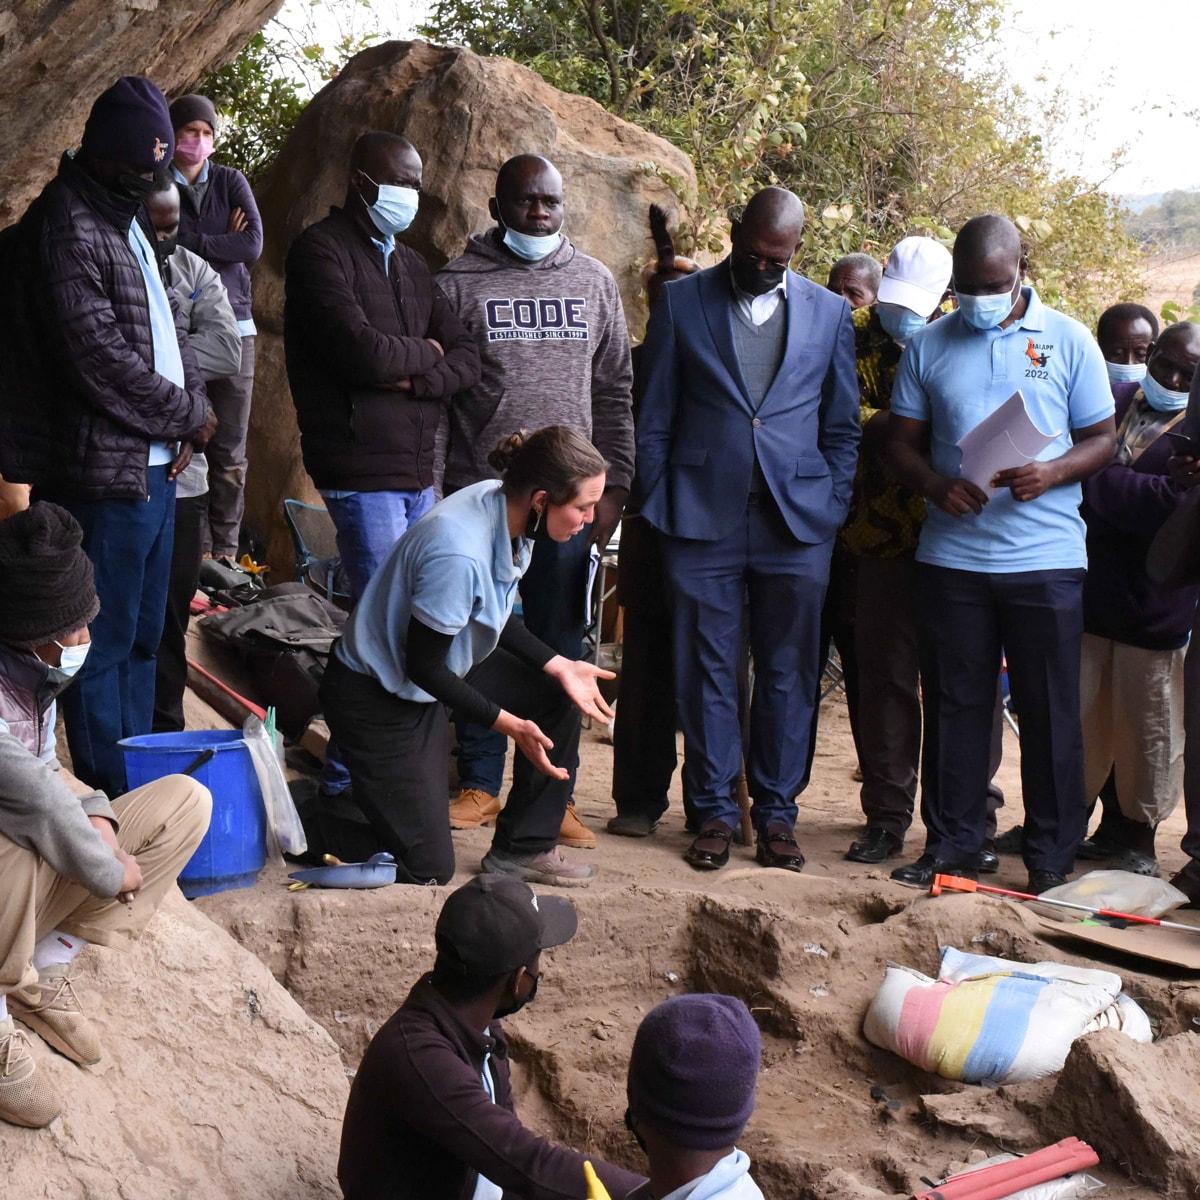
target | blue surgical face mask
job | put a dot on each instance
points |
(1162, 399)
(1125, 372)
(530, 248)
(395, 209)
(898, 322)
(986, 312)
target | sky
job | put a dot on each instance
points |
(1133, 65)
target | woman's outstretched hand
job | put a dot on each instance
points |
(580, 681)
(531, 741)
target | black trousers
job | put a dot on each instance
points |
(397, 752)
(170, 671)
(644, 754)
(965, 619)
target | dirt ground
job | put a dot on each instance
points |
(836, 1117)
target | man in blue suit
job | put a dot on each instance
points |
(747, 445)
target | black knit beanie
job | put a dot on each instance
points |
(193, 107)
(47, 588)
(130, 124)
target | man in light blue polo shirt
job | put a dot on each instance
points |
(1000, 569)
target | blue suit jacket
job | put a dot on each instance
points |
(697, 428)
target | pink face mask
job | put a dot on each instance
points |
(193, 148)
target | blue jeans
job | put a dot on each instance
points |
(552, 595)
(130, 544)
(965, 619)
(368, 525)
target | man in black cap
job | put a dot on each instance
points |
(431, 1112)
(692, 1077)
(74, 868)
(99, 387)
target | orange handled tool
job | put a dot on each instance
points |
(955, 883)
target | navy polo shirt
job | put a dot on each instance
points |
(952, 376)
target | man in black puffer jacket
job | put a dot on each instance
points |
(374, 355)
(98, 391)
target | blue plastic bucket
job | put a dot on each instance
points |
(235, 847)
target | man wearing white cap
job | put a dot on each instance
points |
(881, 532)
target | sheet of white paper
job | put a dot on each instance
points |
(593, 567)
(1006, 438)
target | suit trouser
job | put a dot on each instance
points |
(965, 620)
(1132, 709)
(785, 583)
(226, 452)
(170, 667)
(129, 543)
(161, 825)
(397, 751)
(552, 596)
(889, 671)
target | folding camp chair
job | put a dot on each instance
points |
(314, 538)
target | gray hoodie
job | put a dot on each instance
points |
(554, 350)
(38, 811)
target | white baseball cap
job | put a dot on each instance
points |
(917, 275)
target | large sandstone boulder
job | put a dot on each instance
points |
(215, 1084)
(466, 115)
(56, 58)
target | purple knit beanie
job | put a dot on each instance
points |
(130, 124)
(693, 1070)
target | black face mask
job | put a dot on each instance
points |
(517, 1005)
(637, 1137)
(167, 246)
(129, 185)
(755, 282)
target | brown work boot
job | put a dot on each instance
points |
(27, 1097)
(574, 832)
(474, 807)
(52, 1010)
(550, 867)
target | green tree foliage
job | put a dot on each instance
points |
(1172, 226)
(883, 114)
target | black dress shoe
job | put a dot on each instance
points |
(922, 871)
(875, 846)
(1097, 849)
(1043, 881)
(1187, 881)
(714, 855)
(1010, 842)
(989, 860)
(778, 848)
(632, 826)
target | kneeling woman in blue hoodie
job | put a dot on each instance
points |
(434, 633)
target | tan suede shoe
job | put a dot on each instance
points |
(473, 807)
(27, 1097)
(51, 1009)
(574, 832)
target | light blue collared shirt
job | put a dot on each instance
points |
(952, 376)
(168, 362)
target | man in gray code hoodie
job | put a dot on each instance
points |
(555, 351)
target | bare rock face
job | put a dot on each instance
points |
(57, 56)
(466, 115)
(214, 1084)
(1136, 1105)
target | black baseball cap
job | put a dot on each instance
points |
(495, 924)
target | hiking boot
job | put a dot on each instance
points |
(52, 1010)
(27, 1097)
(550, 867)
(574, 832)
(473, 808)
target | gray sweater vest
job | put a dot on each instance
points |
(760, 350)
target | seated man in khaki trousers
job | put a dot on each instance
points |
(74, 868)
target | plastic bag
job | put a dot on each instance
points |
(283, 821)
(1139, 895)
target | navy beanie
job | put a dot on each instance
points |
(131, 125)
(693, 1070)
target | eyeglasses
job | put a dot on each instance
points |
(765, 264)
